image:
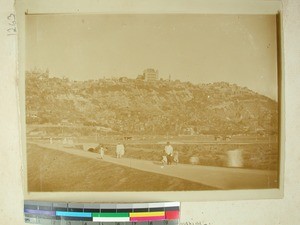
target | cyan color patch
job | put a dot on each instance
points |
(73, 214)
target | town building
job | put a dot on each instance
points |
(150, 74)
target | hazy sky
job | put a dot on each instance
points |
(197, 48)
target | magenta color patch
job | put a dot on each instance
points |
(146, 218)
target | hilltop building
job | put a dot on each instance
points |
(123, 79)
(150, 74)
(140, 77)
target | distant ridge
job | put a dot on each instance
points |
(131, 106)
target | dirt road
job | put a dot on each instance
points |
(219, 177)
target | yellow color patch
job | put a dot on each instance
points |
(146, 214)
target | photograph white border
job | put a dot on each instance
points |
(145, 7)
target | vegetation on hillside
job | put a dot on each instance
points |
(131, 106)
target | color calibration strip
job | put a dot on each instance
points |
(58, 213)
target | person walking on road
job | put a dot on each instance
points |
(120, 150)
(100, 149)
(176, 157)
(169, 152)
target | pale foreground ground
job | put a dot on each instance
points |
(219, 177)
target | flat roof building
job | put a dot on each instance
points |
(150, 74)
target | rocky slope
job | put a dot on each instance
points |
(130, 106)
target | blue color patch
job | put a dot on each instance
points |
(73, 214)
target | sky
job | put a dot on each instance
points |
(238, 49)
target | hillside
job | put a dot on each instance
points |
(130, 106)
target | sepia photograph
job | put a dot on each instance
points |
(151, 102)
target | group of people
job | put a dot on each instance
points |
(171, 155)
(120, 150)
